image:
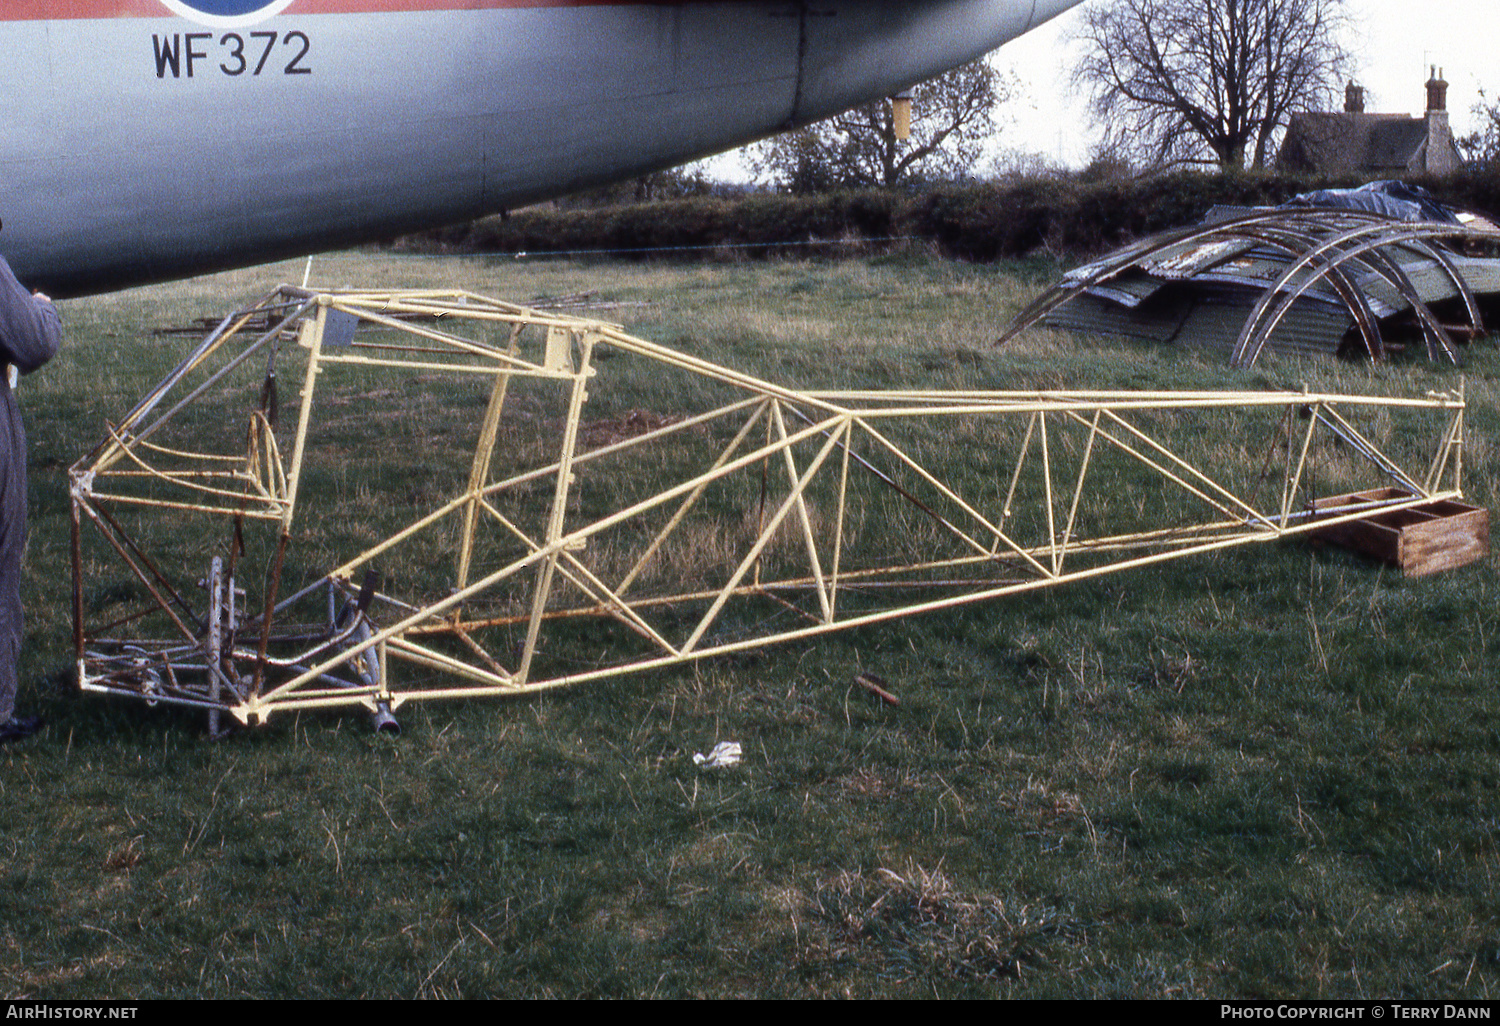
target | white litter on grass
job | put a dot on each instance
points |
(721, 756)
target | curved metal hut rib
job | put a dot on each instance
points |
(1365, 239)
(1328, 248)
(1343, 285)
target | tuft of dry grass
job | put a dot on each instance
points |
(913, 922)
(126, 856)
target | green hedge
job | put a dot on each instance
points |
(1059, 215)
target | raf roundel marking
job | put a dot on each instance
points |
(226, 13)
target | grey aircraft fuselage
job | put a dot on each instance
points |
(145, 140)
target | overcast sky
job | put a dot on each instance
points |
(1394, 42)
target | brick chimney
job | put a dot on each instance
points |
(1437, 91)
(1354, 99)
(1440, 157)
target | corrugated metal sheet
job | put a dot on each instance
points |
(1185, 261)
(1206, 315)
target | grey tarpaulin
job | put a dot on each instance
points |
(1396, 200)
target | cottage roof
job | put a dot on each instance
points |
(1385, 144)
(1353, 142)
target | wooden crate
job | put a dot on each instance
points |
(1422, 539)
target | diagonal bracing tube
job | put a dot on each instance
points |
(479, 499)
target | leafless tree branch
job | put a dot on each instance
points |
(1185, 79)
(952, 116)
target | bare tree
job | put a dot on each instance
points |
(1483, 144)
(952, 116)
(1209, 80)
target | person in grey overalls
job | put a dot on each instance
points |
(29, 335)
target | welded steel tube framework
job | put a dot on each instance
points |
(353, 549)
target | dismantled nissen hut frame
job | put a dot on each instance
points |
(469, 498)
(1300, 280)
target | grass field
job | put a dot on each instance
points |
(1270, 772)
